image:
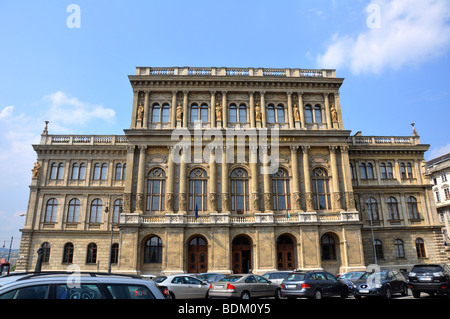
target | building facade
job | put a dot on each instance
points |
(438, 171)
(230, 170)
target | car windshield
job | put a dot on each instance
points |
(351, 275)
(295, 277)
(428, 268)
(231, 278)
(382, 274)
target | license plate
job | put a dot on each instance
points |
(291, 286)
(219, 287)
(364, 291)
(424, 278)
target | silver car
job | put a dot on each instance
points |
(244, 286)
(62, 285)
(182, 286)
(277, 276)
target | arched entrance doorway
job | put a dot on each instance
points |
(241, 250)
(285, 253)
(197, 255)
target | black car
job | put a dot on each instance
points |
(432, 279)
(383, 283)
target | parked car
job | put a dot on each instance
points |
(382, 283)
(182, 286)
(432, 279)
(244, 286)
(313, 284)
(350, 278)
(277, 276)
(64, 285)
(215, 277)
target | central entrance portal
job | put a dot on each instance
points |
(241, 249)
(198, 255)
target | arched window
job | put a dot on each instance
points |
(239, 191)
(390, 174)
(412, 207)
(321, 189)
(75, 171)
(153, 250)
(51, 210)
(45, 252)
(194, 112)
(60, 171)
(363, 170)
(370, 174)
(165, 113)
(120, 171)
(197, 189)
(82, 171)
(204, 113)
(270, 113)
(115, 253)
(372, 209)
(96, 171)
(379, 249)
(280, 189)
(409, 170)
(53, 170)
(96, 211)
(233, 113)
(91, 254)
(78, 171)
(117, 209)
(156, 113)
(420, 248)
(156, 188)
(328, 247)
(403, 171)
(317, 114)
(74, 210)
(393, 208)
(242, 113)
(308, 114)
(68, 253)
(399, 248)
(103, 171)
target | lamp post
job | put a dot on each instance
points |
(371, 227)
(112, 233)
(10, 245)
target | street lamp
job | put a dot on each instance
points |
(112, 230)
(10, 245)
(371, 227)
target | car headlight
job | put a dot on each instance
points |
(438, 274)
(412, 274)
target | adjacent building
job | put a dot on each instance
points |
(231, 170)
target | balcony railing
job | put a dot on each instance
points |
(383, 140)
(83, 140)
(222, 71)
(261, 218)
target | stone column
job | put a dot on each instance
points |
(185, 108)
(170, 197)
(327, 110)
(135, 106)
(295, 186)
(128, 189)
(213, 109)
(347, 177)
(146, 110)
(173, 110)
(225, 182)
(182, 194)
(336, 195)
(307, 178)
(255, 196)
(267, 181)
(263, 110)
(212, 197)
(290, 111)
(252, 109)
(301, 108)
(224, 110)
(141, 180)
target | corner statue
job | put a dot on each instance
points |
(36, 169)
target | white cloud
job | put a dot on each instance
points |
(6, 112)
(439, 151)
(71, 111)
(410, 32)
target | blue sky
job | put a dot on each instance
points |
(394, 56)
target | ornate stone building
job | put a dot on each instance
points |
(230, 169)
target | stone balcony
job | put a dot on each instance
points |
(83, 139)
(236, 72)
(222, 218)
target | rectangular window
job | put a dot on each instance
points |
(129, 291)
(83, 291)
